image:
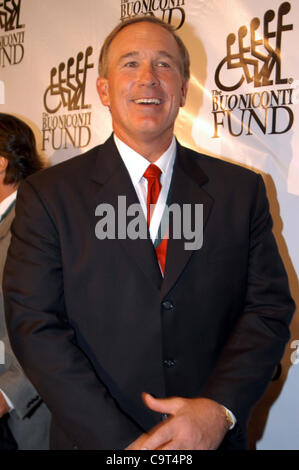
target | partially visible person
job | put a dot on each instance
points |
(21, 408)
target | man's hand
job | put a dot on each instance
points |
(193, 424)
(4, 407)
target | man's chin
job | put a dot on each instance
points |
(145, 131)
(151, 134)
(150, 127)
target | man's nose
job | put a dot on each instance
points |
(147, 76)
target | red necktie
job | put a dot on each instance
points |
(152, 174)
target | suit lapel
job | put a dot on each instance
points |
(114, 181)
(5, 224)
(186, 188)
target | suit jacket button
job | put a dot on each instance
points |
(167, 305)
(169, 363)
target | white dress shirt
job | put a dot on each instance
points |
(4, 205)
(136, 165)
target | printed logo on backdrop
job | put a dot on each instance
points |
(255, 56)
(67, 118)
(170, 11)
(12, 34)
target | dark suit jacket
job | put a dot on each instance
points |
(94, 324)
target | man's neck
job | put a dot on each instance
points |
(149, 149)
(6, 190)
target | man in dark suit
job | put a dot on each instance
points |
(97, 321)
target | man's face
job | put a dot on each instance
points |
(144, 88)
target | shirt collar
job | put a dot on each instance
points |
(4, 205)
(136, 164)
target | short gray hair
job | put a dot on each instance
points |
(103, 59)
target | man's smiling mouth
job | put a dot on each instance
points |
(155, 101)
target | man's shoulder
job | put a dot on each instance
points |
(74, 170)
(75, 166)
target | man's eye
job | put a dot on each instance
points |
(163, 64)
(132, 63)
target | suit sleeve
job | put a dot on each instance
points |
(45, 342)
(14, 383)
(247, 362)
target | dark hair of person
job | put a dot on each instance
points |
(18, 146)
(185, 59)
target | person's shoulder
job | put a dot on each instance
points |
(74, 167)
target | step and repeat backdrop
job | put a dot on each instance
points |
(242, 107)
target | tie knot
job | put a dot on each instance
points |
(152, 172)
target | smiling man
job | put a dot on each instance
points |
(140, 343)
(143, 84)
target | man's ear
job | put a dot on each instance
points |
(185, 86)
(103, 91)
(3, 164)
